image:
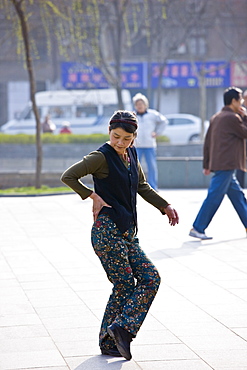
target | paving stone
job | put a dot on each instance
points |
(53, 289)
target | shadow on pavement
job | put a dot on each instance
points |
(101, 362)
(188, 248)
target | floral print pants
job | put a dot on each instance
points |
(135, 279)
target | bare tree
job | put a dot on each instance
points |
(198, 21)
(170, 30)
(18, 5)
(224, 20)
(25, 11)
(107, 31)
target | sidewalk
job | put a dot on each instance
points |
(53, 289)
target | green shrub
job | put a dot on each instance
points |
(72, 138)
(60, 139)
(162, 139)
(53, 139)
(17, 139)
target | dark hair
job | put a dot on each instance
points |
(124, 119)
(230, 94)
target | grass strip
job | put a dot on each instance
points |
(31, 190)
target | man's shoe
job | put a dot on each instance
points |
(114, 352)
(198, 235)
(122, 339)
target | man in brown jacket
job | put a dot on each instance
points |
(240, 175)
(224, 152)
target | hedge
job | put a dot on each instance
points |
(60, 139)
(52, 139)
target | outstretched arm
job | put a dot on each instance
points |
(172, 215)
(152, 197)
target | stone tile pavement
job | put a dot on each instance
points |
(53, 289)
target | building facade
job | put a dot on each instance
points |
(213, 48)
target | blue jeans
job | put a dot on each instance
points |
(150, 157)
(223, 182)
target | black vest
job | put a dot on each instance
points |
(119, 188)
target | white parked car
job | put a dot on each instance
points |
(183, 128)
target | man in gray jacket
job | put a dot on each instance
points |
(224, 152)
(150, 125)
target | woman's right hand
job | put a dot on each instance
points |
(98, 204)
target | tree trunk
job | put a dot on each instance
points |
(119, 96)
(119, 79)
(149, 79)
(24, 29)
(117, 51)
(203, 102)
(159, 89)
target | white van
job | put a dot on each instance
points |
(88, 111)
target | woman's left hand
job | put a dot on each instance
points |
(172, 215)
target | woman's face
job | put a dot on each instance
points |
(120, 139)
(140, 106)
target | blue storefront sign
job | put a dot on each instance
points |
(133, 76)
(80, 76)
(176, 74)
(185, 74)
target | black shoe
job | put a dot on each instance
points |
(111, 352)
(122, 339)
